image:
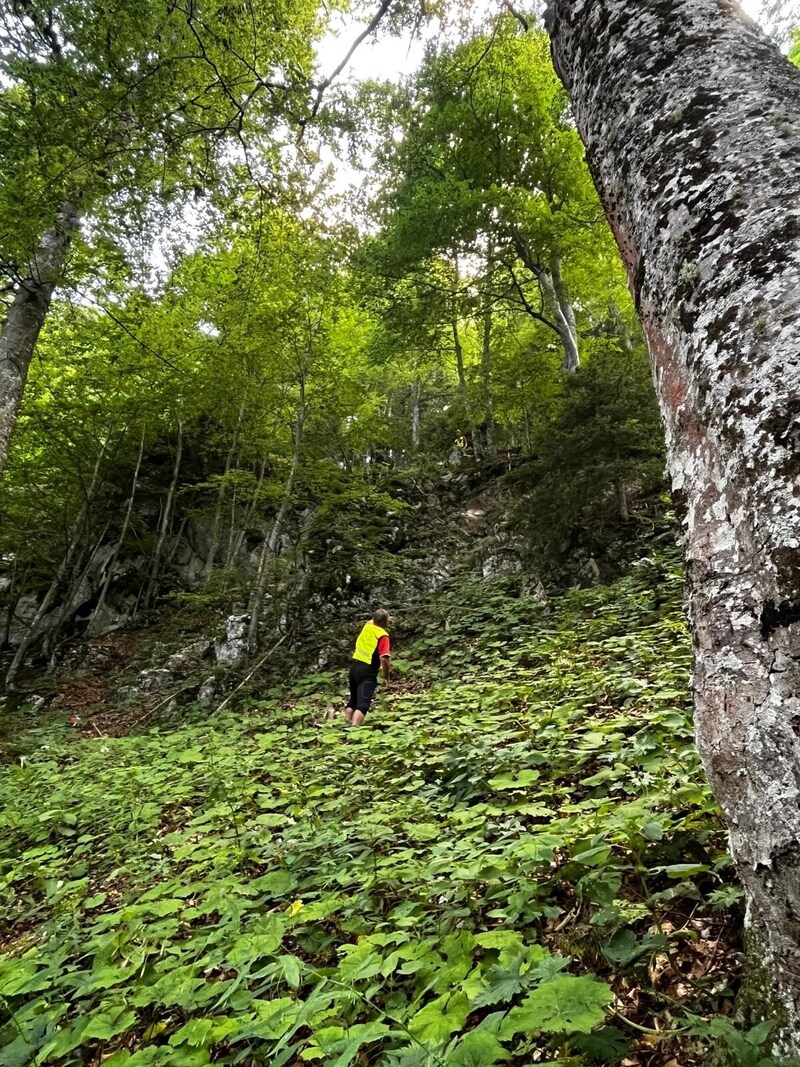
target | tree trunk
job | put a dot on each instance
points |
(554, 297)
(486, 365)
(36, 630)
(96, 621)
(166, 519)
(216, 532)
(69, 602)
(565, 314)
(416, 396)
(26, 316)
(237, 536)
(688, 113)
(459, 351)
(271, 543)
(13, 598)
(457, 346)
(621, 492)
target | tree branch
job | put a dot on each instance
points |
(371, 26)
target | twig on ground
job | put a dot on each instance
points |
(248, 676)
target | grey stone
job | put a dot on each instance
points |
(108, 619)
(154, 679)
(233, 650)
(207, 690)
(499, 565)
(193, 653)
(24, 612)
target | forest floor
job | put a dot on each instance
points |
(516, 860)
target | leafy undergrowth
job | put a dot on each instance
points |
(516, 861)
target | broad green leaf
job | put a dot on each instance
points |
(514, 780)
(477, 1049)
(566, 1005)
(433, 1024)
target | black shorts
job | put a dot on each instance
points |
(363, 682)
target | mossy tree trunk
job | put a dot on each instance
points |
(689, 117)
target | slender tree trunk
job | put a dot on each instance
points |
(486, 363)
(216, 532)
(556, 299)
(166, 520)
(457, 346)
(69, 607)
(69, 561)
(271, 543)
(561, 310)
(688, 113)
(26, 316)
(566, 316)
(236, 539)
(109, 575)
(12, 604)
(621, 493)
(416, 396)
(527, 420)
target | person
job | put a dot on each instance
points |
(371, 655)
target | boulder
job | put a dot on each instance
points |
(109, 618)
(24, 611)
(193, 653)
(500, 564)
(232, 651)
(208, 690)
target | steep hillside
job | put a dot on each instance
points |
(516, 860)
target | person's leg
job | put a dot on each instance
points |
(352, 701)
(366, 689)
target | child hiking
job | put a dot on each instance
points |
(371, 655)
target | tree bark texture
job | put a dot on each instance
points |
(416, 403)
(26, 316)
(689, 117)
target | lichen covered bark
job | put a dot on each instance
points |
(25, 318)
(689, 117)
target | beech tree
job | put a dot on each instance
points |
(107, 111)
(688, 113)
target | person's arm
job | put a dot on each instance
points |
(383, 652)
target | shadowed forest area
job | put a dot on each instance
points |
(284, 345)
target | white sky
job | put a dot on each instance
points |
(385, 57)
(391, 57)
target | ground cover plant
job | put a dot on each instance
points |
(516, 861)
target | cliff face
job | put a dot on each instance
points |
(77, 642)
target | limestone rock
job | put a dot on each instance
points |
(207, 690)
(193, 653)
(154, 679)
(232, 652)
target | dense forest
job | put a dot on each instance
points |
(284, 345)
